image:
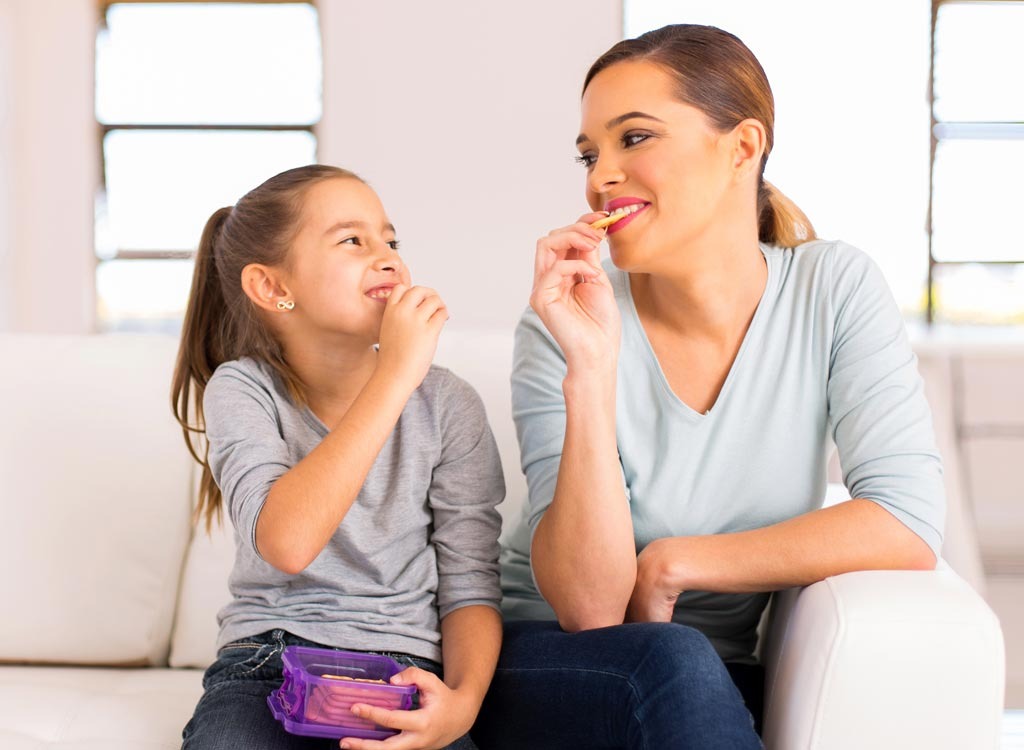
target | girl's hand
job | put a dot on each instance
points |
(413, 319)
(444, 716)
(656, 590)
(573, 296)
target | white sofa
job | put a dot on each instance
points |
(109, 597)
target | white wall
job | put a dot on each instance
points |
(464, 115)
(851, 115)
(7, 55)
(50, 164)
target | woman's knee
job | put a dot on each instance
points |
(676, 655)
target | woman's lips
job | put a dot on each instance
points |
(635, 209)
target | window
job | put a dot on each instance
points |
(196, 104)
(976, 253)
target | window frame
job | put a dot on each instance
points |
(946, 129)
(104, 129)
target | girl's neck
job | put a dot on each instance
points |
(333, 372)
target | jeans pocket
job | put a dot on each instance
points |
(256, 658)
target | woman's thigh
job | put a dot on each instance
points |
(639, 685)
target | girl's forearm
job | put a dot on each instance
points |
(307, 503)
(583, 554)
(470, 641)
(854, 535)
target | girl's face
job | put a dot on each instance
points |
(643, 147)
(344, 261)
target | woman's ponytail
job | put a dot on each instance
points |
(780, 221)
(201, 351)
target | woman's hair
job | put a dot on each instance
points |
(716, 73)
(221, 322)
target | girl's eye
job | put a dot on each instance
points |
(632, 139)
(350, 241)
(587, 160)
(394, 244)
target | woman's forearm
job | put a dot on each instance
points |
(854, 535)
(583, 554)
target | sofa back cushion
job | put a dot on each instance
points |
(95, 497)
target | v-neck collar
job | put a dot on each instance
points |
(655, 364)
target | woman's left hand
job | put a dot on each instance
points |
(657, 586)
(444, 716)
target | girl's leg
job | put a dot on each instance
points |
(641, 686)
(233, 711)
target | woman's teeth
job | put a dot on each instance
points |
(379, 293)
(625, 210)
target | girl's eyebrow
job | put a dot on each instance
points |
(619, 120)
(355, 224)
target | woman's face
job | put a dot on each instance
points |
(642, 147)
(344, 260)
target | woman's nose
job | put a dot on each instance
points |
(604, 175)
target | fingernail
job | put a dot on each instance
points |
(357, 710)
(345, 746)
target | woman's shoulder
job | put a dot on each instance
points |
(834, 264)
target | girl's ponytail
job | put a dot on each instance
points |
(221, 322)
(202, 350)
(780, 221)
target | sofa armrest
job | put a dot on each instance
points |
(887, 659)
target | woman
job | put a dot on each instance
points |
(675, 409)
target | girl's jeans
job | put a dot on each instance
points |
(233, 711)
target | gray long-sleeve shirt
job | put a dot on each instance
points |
(420, 540)
(826, 357)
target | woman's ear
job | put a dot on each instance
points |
(749, 143)
(265, 287)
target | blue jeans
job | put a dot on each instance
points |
(641, 686)
(233, 712)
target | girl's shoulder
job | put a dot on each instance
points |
(239, 382)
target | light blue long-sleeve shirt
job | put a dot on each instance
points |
(826, 358)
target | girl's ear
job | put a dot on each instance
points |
(749, 142)
(265, 287)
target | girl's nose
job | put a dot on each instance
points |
(389, 261)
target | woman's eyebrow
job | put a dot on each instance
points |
(619, 120)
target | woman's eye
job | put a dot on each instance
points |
(631, 139)
(587, 160)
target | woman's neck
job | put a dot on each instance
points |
(708, 292)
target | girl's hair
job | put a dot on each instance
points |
(221, 322)
(716, 73)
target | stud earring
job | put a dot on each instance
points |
(286, 305)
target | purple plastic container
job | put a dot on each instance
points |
(321, 685)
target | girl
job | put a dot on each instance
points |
(361, 481)
(675, 408)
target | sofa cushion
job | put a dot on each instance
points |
(96, 499)
(59, 708)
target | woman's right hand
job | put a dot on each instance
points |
(573, 296)
(412, 323)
